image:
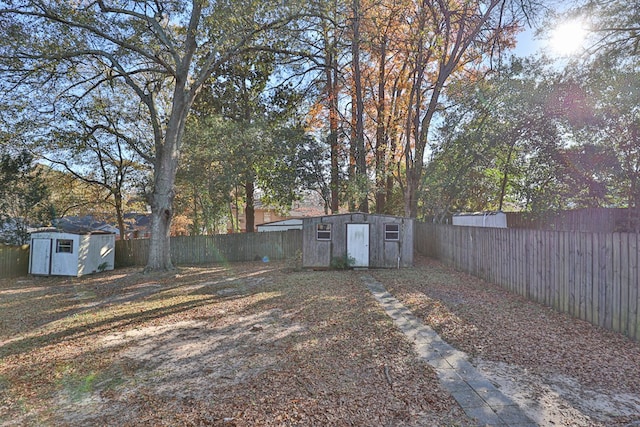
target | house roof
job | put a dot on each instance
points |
(83, 225)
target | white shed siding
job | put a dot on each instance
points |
(100, 249)
(284, 225)
(68, 254)
(481, 219)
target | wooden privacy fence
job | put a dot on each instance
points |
(592, 276)
(217, 248)
(14, 261)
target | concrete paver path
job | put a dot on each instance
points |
(477, 396)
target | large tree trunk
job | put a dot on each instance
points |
(161, 200)
(249, 211)
(161, 214)
(381, 147)
(332, 100)
(361, 162)
(117, 199)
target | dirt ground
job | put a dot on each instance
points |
(263, 344)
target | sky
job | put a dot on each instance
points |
(565, 39)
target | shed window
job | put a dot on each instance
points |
(64, 246)
(323, 232)
(392, 232)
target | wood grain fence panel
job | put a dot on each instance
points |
(580, 275)
(492, 255)
(530, 274)
(14, 261)
(624, 283)
(549, 252)
(571, 273)
(602, 279)
(520, 246)
(542, 267)
(616, 288)
(510, 261)
(588, 277)
(566, 249)
(634, 286)
(551, 270)
(525, 271)
(560, 271)
(595, 287)
(607, 270)
(541, 274)
(577, 275)
(215, 249)
(592, 276)
(483, 258)
(503, 241)
(509, 258)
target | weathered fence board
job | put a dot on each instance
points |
(592, 276)
(14, 261)
(220, 248)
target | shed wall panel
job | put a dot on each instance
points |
(382, 253)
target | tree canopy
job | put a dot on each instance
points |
(394, 106)
(55, 54)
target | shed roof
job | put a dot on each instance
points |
(483, 213)
(358, 213)
(79, 231)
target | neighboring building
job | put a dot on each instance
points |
(369, 240)
(84, 224)
(310, 205)
(594, 220)
(56, 253)
(137, 225)
(496, 219)
(284, 225)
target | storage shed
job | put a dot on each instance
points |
(495, 219)
(371, 240)
(56, 253)
(283, 225)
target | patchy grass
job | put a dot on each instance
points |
(242, 344)
(565, 369)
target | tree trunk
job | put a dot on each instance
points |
(351, 170)
(161, 214)
(161, 200)
(249, 211)
(381, 132)
(505, 176)
(117, 199)
(332, 100)
(361, 161)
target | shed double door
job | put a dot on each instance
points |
(41, 256)
(358, 244)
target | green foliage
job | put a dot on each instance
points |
(296, 261)
(103, 266)
(23, 197)
(613, 27)
(242, 134)
(342, 262)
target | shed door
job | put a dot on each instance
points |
(41, 256)
(358, 244)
